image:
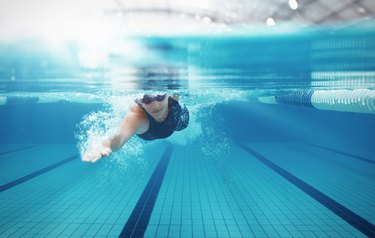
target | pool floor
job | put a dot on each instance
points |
(251, 190)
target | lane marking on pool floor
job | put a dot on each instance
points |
(344, 153)
(138, 221)
(20, 149)
(36, 173)
(349, 216)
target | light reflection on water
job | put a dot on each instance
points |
(262, 65)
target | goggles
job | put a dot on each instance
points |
(148, 99)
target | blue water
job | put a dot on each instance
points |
(280, 143)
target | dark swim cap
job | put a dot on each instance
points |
(183, 119)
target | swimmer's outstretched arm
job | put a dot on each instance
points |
(133, 120)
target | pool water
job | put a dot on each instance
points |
(280, 141)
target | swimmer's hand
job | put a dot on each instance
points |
(97, 154)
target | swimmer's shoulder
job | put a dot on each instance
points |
(175, 97)
(136, 110)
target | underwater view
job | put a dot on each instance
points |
(235, 132)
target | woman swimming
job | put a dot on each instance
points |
(151, 117)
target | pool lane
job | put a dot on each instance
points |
(347, 181)
(36, 173)
(350, 155)
(79, 199)
(351, 217)
(224, 193)
(18, 165)
(140, 216)
(11, 148)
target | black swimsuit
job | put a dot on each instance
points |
(159, 130)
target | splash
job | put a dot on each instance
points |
(192, 132)
(93, 129)
(99, 125)
(215, 143)
(200, 104)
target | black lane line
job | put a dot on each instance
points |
(19, 149)
(349, 216)
(140, 216)
(35, 174)
(344, 153)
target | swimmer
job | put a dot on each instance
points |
(151, 117)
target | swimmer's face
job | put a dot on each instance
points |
(156, 106)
